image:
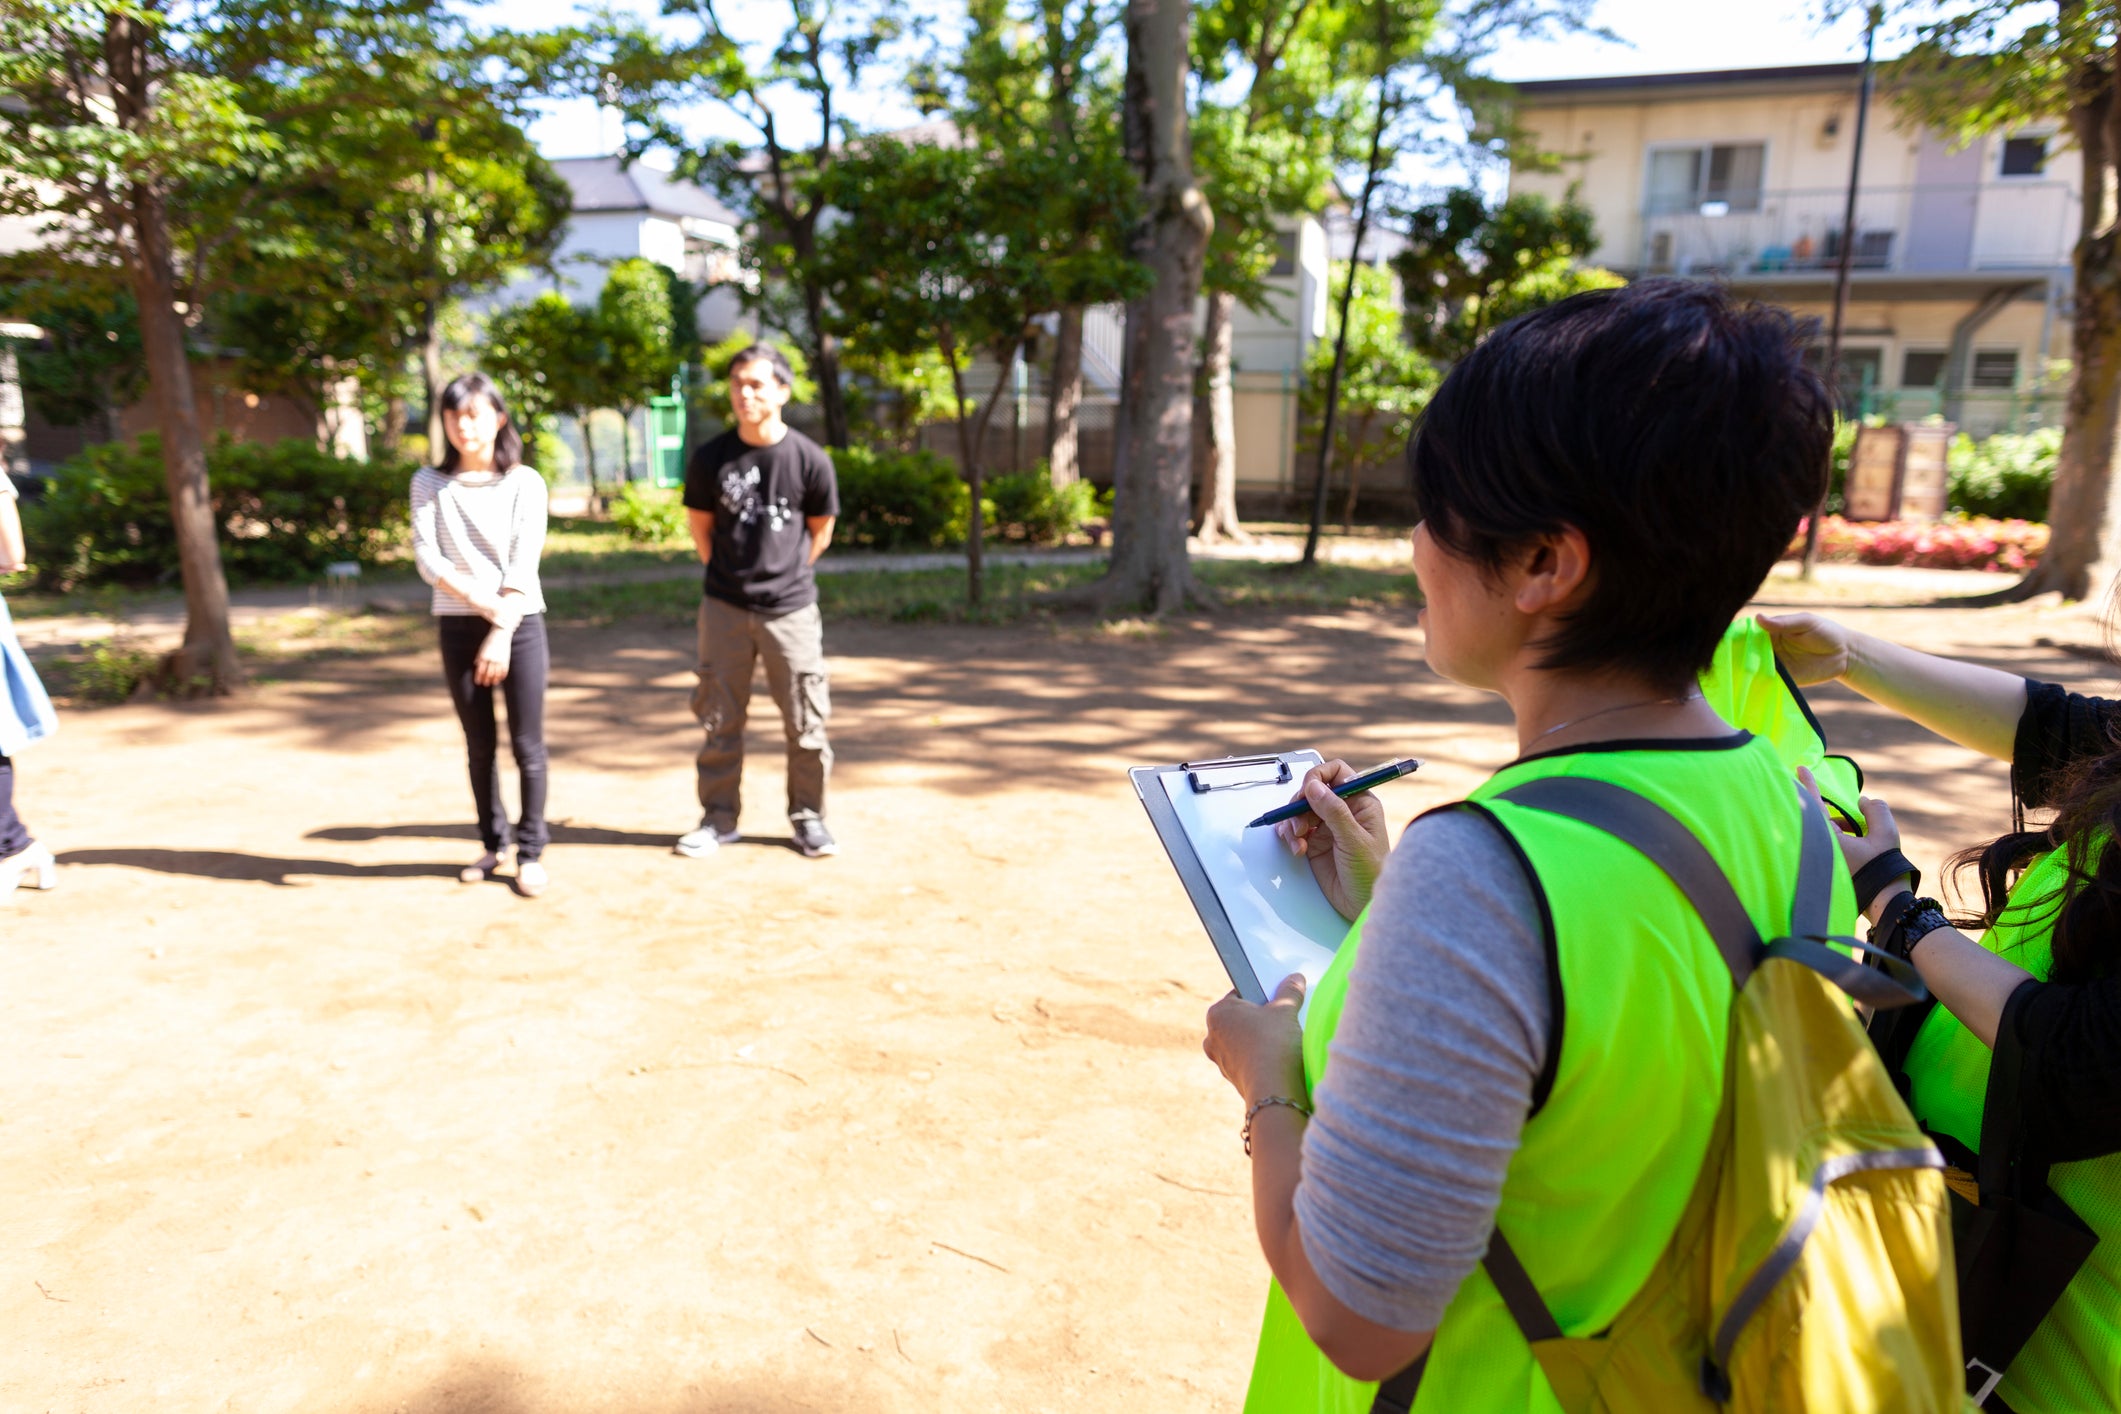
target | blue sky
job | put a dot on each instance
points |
(1660, 36)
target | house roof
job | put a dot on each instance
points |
(606, 184)
(1790, 76)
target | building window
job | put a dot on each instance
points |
(1922, 368)
(1996, 368)
(1284, 255)
(1724, 175)
(2024, 156)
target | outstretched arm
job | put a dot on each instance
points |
(1964, 702)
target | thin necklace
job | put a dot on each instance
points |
(1623, 707)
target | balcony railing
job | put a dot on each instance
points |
(1903, 230)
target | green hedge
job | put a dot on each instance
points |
(917, 501)
(649, 514)
(285, 510)
(2007, 477)
(899, 500)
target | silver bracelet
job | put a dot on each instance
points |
(1251, 1114)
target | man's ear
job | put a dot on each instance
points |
(1555, 573)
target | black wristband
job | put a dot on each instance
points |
(1881, 933)
(1880, 873)
(1913, 919)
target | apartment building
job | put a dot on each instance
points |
(1961, 259)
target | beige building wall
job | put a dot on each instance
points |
(2022, 227)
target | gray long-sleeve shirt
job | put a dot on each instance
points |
(1430, 1075)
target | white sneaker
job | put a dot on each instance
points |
(530, 878)
(480, 872)
(33, 866)
(698, 844)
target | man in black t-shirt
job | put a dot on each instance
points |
(761, 500)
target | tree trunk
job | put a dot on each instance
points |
(393, 437)
(1149, 569)
(2081, 550)
(1215, 428)
(589, 453)
(825, 347)
(1358, 444)
(968, 466)
(206, 660)
(431, 378)
(1065, 399)
(625, 446)
(1340, 336)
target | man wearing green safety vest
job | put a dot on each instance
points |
(1526, 1035)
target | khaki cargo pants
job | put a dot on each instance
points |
(732, 640)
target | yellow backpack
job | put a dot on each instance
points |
(1812, 1269)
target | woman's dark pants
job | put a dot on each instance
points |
(523, 689)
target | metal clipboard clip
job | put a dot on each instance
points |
(1193, 771)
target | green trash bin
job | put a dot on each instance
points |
(666, 440)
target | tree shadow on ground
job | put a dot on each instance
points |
(252, 868)
(562, 833)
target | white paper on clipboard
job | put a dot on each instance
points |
(1282, 918)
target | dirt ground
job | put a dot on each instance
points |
(294, 1121)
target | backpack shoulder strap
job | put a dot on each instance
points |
(1670, 845)
(1662, 838)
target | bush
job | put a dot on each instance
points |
(1029, 507)
(899, 500)
(1965, 543)
(648, 514)
(2006, 477)
(284, 511)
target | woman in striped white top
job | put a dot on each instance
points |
(478, 526)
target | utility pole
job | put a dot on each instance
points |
(1841, 269)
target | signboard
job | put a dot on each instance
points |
(1924, 478)
(1899, 473)
(1873, 489)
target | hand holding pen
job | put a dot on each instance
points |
(1346, 840)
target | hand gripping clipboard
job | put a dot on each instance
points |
(1260, 903)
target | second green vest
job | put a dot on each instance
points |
(2073, 1362)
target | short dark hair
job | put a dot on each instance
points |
(507, 443)
(767, 352)
(1678, 428)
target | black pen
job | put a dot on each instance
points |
(1368, 780)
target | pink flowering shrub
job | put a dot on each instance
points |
(1966, 543)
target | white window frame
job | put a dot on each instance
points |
(1649, 157)
(2047, 137)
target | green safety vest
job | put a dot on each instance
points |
(1606, 1165)
(2073, 1361)
(1749, 688)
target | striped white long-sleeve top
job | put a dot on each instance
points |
(489, 533)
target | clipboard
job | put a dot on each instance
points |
(1261, 905)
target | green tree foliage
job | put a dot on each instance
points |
(89, 363)
(1265, 156)
(417, 186)
(542, 354)
(1982, 66)
(1468, 267)
(124, 130)
(637, 354)
(803, 76)
(1384, 386)
(957, 250)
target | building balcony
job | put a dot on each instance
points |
(1912, 231)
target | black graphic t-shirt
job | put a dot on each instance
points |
(759, 497)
